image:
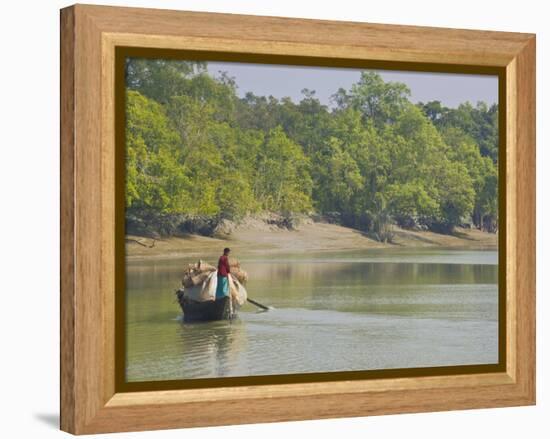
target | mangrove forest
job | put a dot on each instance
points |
(198, 153)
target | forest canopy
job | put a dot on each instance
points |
(195, 149)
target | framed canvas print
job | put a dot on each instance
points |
(269, 219)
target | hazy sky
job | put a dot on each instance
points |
(280, 81)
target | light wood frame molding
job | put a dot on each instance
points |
(89, 36)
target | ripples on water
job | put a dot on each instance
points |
(334, 312)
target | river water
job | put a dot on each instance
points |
(354, 310)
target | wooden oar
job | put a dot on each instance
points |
(259, 305)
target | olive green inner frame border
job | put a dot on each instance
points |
(121, 385)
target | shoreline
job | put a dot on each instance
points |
(309, 237)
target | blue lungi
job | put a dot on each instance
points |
(222, 289)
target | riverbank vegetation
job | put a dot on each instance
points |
(198, 154)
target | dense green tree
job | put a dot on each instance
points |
(479, 122)
(482, 171)
(338, 181)
(160, 79)
(456, 195)
(156, 178)
(379, 101)
(411, 202)
(282, 182)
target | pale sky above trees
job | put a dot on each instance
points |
(281, 81)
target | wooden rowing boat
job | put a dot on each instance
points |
(211, 310)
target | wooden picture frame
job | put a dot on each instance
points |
(90, 36)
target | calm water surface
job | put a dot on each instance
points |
(376, 309)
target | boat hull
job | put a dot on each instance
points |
(209, 311)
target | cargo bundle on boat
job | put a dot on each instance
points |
(197, 296)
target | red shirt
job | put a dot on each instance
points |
(223, 266)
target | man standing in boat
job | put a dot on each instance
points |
(222, 289)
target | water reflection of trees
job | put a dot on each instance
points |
(374, 273)
(303, 284)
